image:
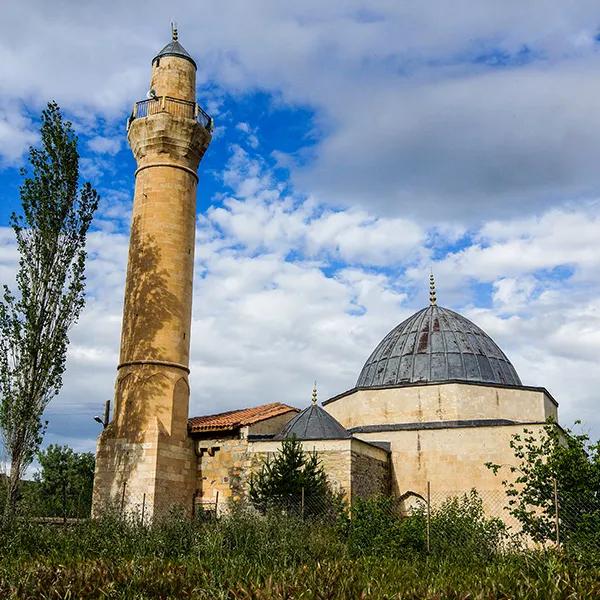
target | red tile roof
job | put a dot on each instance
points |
(233, 419)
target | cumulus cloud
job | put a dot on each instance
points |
(16, 135)
(265, 216)
(457, 135)
(443, 110)
(105, 145)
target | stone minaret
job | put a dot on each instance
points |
(144, 455)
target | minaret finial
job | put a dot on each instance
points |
(174, 34)
(314, 394)
(432, 294)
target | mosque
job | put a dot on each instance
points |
(434, 401)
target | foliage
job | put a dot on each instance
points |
(376, 528)
(288, 478)
(35, 320)
(246, 556)
(561, 458)
(64, 482)
(458, 526)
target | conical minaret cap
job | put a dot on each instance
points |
(174, 48)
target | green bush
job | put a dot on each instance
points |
(460, 528)
(376, 528)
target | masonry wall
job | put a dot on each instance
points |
(440, 402)
(224, 462)
(273, 425)
(370, 471)
(453, 461)
(335, 456)
(223, 468)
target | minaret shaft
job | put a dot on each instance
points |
(145, 454)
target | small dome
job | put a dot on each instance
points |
(435, 345)
(314, 423)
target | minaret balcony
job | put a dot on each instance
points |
(173, 106)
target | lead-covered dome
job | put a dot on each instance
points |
(434, 345)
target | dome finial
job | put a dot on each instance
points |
(432, 294)
(314, 393)
(174, 34)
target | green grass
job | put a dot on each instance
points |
(275, 557)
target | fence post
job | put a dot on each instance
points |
(302, 504)
(123, 498)
(143, 507)
(428, 526)
(64, 500)
(217, 505)
(556, 513)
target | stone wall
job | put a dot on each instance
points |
(452, 460)
(335, 456)
(223, 469)
(354, 467)
(225, 461)
(370, 471)
(441, 402)
(270, 426)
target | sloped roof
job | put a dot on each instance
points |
(233, 419)
(174, 48)
(314, 423)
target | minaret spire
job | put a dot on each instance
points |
(174, 34)
(314, 394)
(432, 293)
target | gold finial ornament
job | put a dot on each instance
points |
(314, 393)
(174, 33)
(432, 293)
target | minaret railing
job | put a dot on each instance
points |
(173, 106)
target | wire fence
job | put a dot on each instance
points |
(449, 520)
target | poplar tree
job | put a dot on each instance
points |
(36, 317)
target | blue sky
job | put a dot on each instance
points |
(357, 146)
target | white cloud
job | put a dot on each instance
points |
(446, 111)
(434, 109)
(558, 238)
(266, 217)
(105, 145)
(16, 135)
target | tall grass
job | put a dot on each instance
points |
(245, 556)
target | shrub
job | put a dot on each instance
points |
(460, 528)
(376, 528)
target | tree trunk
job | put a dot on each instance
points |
(14, 483)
